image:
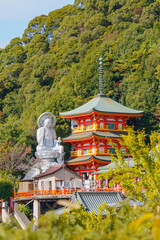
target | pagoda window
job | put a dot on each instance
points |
(101, 150)
(86, 151)
(120, 126)
(88, 126)
(101, 125)
(112, 150)
(79, 152)
(94, 150)
(81, 127)
(111, 126)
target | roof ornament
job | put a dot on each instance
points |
(101, 75)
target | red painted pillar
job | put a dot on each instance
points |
(99, 183)
(35, 192)
(95, 176)
(116, 124)
(106, 182)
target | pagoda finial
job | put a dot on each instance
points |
(101, 75)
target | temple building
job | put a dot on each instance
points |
(93, 126)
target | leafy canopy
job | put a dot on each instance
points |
(54, 66)
(146, 158)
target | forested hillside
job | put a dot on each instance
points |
(54, 66)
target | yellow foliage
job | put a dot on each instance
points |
(156, 228)
(140, 221)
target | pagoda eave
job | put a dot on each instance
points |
(86, 162)
(104, 113)
(90, 138)
(78, 140)
(79, 115)
(78, 137)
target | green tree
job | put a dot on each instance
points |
(146, 158)
(57, 59)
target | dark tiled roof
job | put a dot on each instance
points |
(93, 200)
(101, 103)
(83, 135)
(87, 158)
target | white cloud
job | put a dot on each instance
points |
(28, 9)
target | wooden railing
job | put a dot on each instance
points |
(95, 127)
(42, 193)
(92, 152)
(89, 152)
(63, 192)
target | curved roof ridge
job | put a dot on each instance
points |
(101, 103)
(116, 104)
(85, 105)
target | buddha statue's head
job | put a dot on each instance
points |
(47, 123)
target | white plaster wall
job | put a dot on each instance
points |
(61, 174)
(46, 180)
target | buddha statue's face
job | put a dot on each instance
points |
(47, 123)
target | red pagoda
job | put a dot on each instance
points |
(93, 125)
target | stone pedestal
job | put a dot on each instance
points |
(52, 154)
(40, 167)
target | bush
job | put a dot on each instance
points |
(24, 209)
(6, 190)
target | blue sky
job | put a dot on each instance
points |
(16, 14)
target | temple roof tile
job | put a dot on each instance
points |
(101, 103)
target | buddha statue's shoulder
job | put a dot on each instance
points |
(41, 129)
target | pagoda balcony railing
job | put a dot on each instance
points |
(92, 152)
(95, 127)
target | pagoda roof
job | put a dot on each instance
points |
(84, 135)
(88, 158)
(106, 168)
(101, 103)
